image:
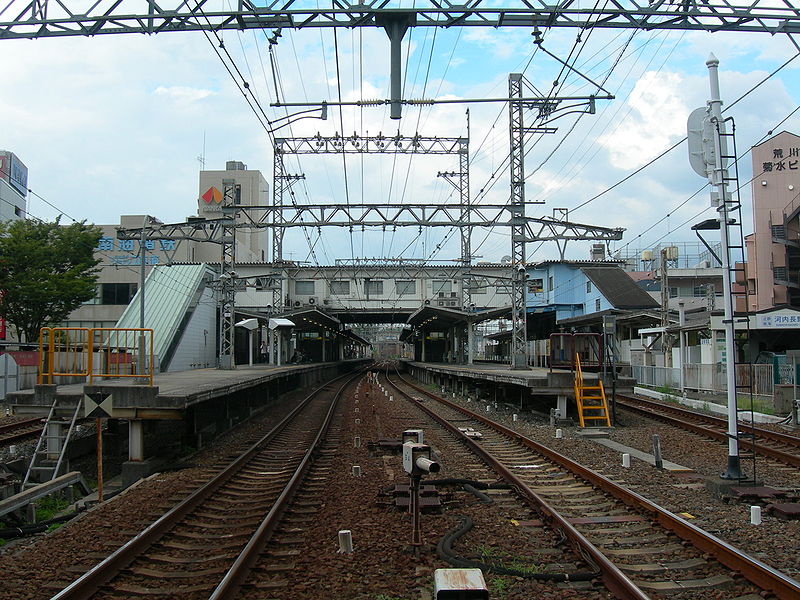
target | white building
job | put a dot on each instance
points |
(13, 187)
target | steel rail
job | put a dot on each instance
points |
(10, 433)
(753, 570)
(615, 580)
(650, 409)
(91, 581)
(16, 425)
(241, 567)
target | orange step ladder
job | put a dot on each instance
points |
(591, 399)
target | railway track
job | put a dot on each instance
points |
(641, 549)
(206, 544)
(20, 430)
(781, 447)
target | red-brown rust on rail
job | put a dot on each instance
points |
(753, 570)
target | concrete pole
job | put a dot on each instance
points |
(470, 342)
(682, 340)
(733, 470)
(142, 352)
(424, 358)
(280, 349)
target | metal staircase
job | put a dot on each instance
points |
(591, 399)
(46, 468)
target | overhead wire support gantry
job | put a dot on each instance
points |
(377, 144)
(46, 18)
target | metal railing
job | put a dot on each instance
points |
(98, 352)
(706, 378)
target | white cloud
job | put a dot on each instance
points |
(657, 119)
(113, 125)
(183, 94)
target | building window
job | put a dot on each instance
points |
(550, 283)
(304, 288)
(405, 287)
(373, 287)
(442, 287)
(673, 292)
(597, 305)
(699, 291)
(588, 287)
(117, 293)
(536, 286)
(340, 287)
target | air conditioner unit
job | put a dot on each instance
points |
(427, 302)
(442, 303)
(312, 300)
(326, 301)
(452, 294)
(441, 294)
(297, 303)
(453, 303)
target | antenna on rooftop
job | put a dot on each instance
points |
(202, 157)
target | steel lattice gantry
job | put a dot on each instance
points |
(379, 144)
(52, 18)
(519, 351)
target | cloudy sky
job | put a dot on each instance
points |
(118, 124)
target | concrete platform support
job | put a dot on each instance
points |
(424, 356)
(470, 342)
(561, 407)
(135, 440)
(55, 439)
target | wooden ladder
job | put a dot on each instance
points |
(591, 399)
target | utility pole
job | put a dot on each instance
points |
(666, 340)
(706, 150)
(720, 174)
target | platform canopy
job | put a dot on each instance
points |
(433, 317)
(310, 317)
(276, 323)
(351, 335)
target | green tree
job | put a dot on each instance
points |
(46, 271)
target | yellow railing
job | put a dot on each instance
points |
(578, 376)
(95, 353)
(596, 409)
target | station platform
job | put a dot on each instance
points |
(172, 393)
(537, 380)
(181, 411)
